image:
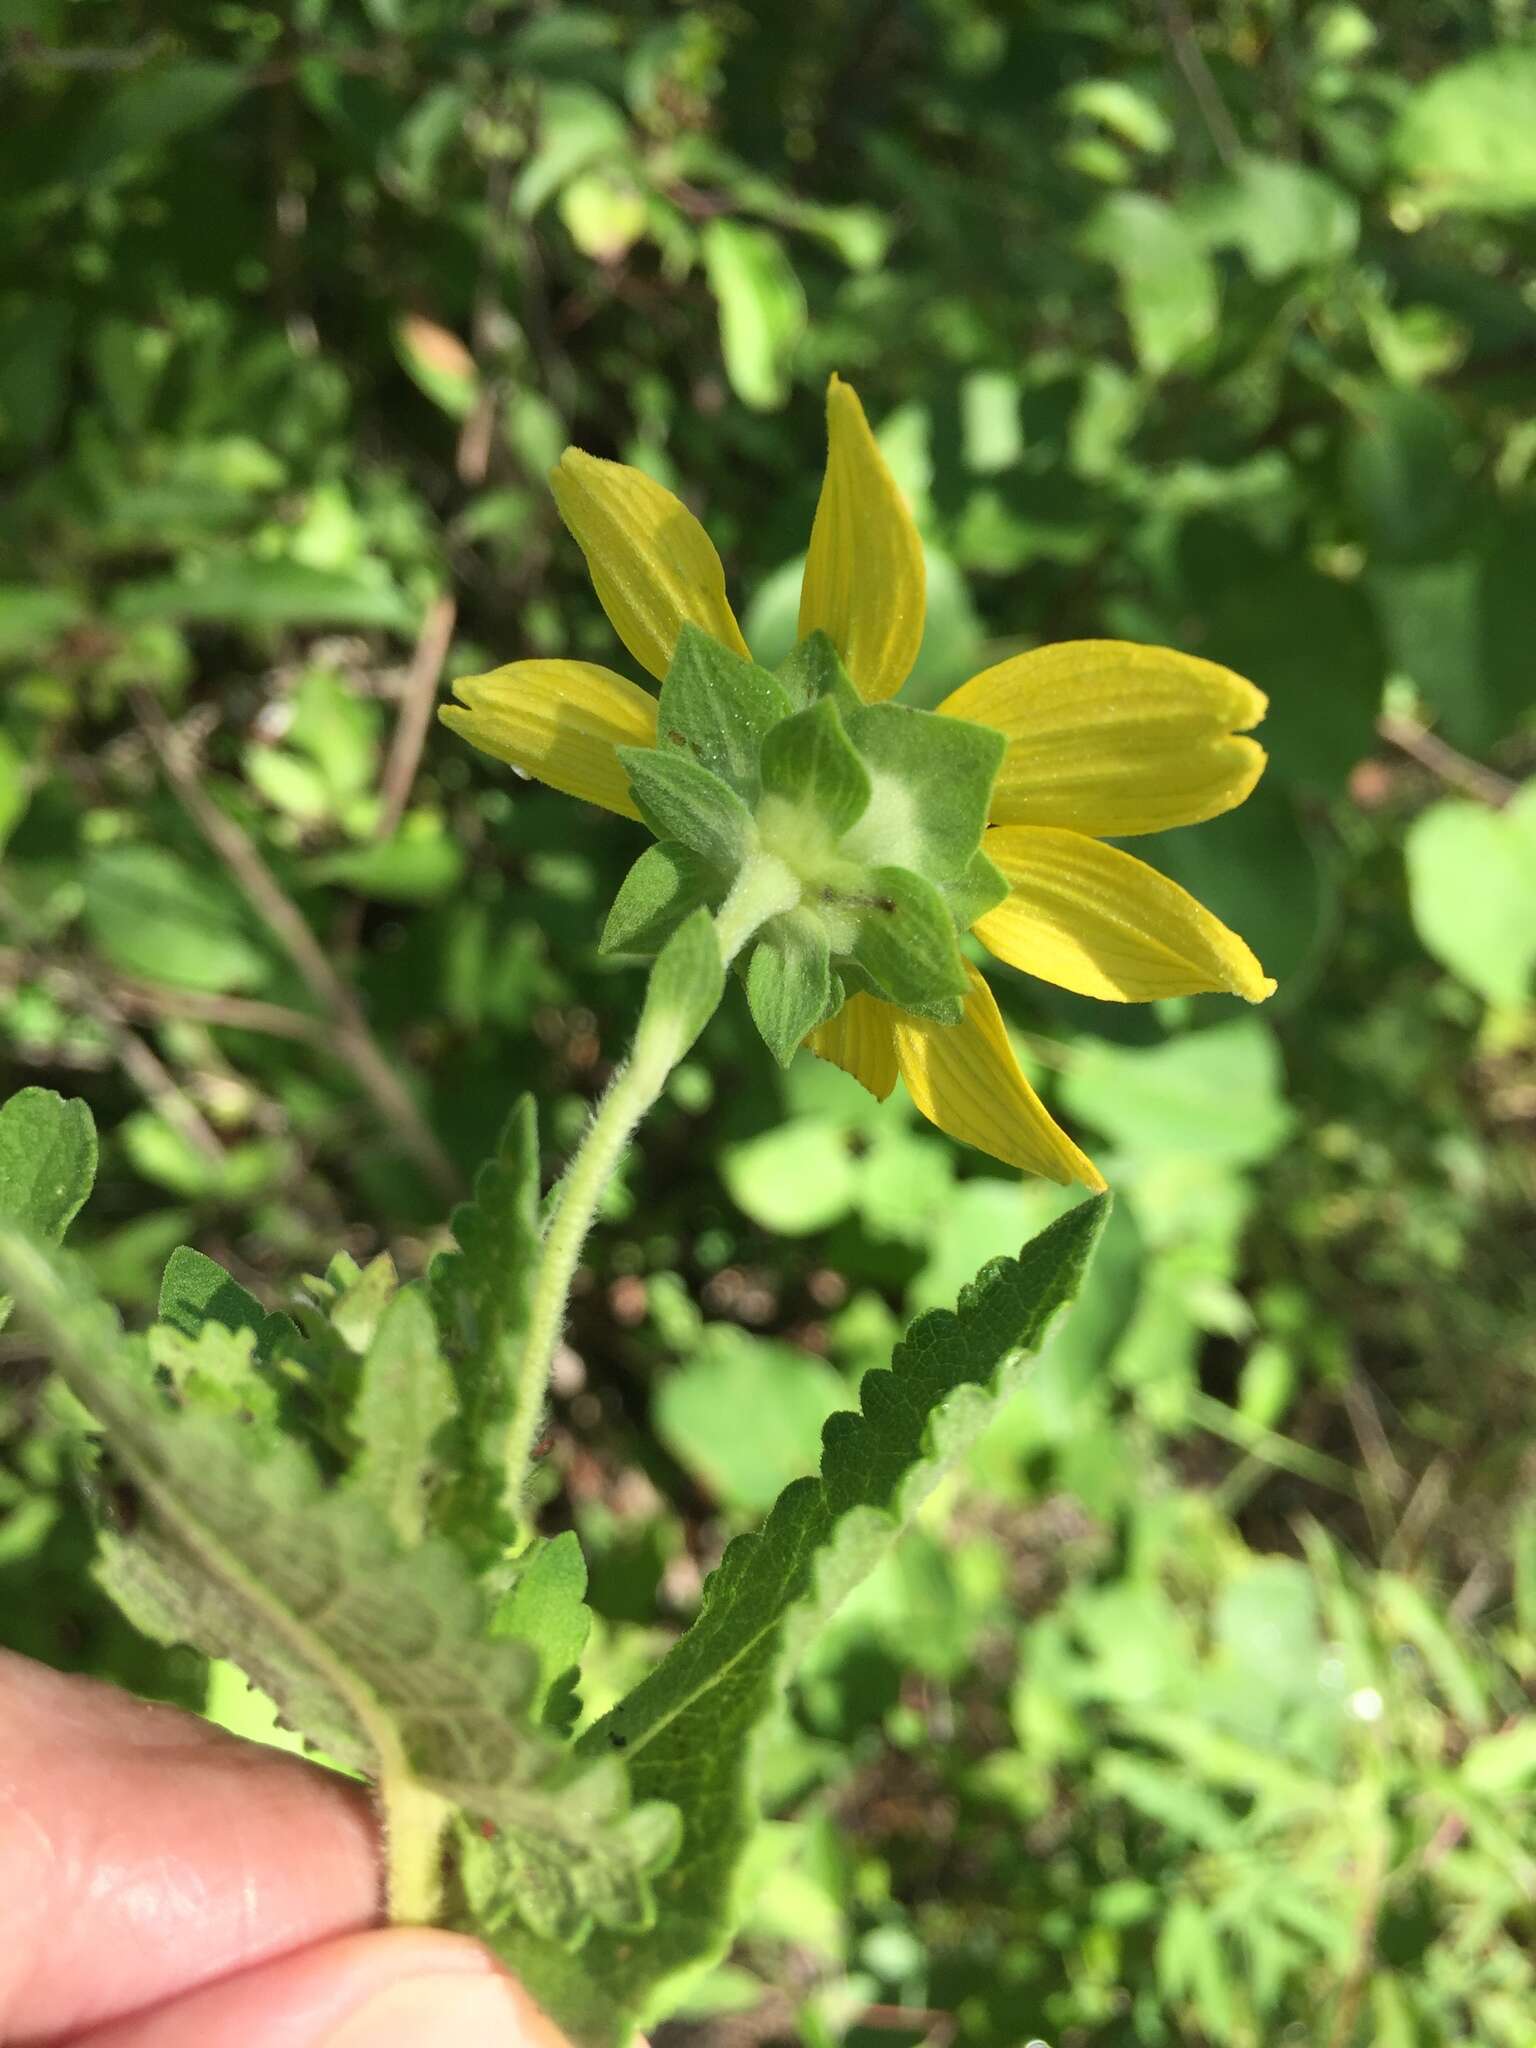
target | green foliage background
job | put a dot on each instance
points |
(1197, 1712)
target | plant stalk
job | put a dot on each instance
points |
(764, 888)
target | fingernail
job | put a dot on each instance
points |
(433, 2012)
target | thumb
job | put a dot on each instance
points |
(398, 1988)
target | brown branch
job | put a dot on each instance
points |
(410, 732)
(354, 1041)
(1190, 58)
(1452, 768)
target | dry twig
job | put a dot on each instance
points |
(354, 1040)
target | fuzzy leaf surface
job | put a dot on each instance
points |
(717, 708)
(480, 1298)
(47, 1164)
(686, 1731)
(376, 1653)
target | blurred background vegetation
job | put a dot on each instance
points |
(1197, 1713)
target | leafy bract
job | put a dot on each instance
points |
(686, 1730)
(666, 885)
(376, 1652)
(717, 708)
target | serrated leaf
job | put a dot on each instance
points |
(679, 799)
(546, 1608)
(666, 885)
(480, 1299)
(789, 981)
(378, 1654)
(195, 1290)
(47, 1165)
(403, 1405)
(809, 761)
(686, 1731)
(717, 708)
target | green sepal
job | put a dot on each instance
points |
(933, 781)
(666, 884)
(680, 800)
(809, 762)
(905, 941)
(789, 981)
(683, 993)
(715, 709)
(813, 669)
(980, 889)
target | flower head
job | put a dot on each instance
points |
(891, 831)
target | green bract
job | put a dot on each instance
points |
(875, 810)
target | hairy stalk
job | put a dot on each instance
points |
(764, 888)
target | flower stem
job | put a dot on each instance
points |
(764, 888)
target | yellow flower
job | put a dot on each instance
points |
(1106, 739)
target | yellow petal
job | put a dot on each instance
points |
(560, 721)
(1096, 920)
(862, 1041)
(653, 566)
(964, 1078)
(1111, 738)
(864, 577)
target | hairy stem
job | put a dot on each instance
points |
(764, 888)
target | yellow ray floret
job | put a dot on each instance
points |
(1096, 920)
(653, 566)
(1111, 738)
(560, 721)
(860, 1040)
(963, 1077)
(864, 576)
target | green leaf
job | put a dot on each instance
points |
(154, 914)
(47, 1161)
(1403, 476)
(932, 780)
(762, 308)
(905, 942)
(266, 596)
(1217, 1093)
(404, 1403)
(1282, 216)
(717, 707)
(789, 981)
(150, 109)
(1472, 892)
(546, 1608)
(980, 889)
(666, 885)
(480, 1295)
(794, 1179)
(1167, 282)
(1466, 138)
(681, 800)
(686, 1731)
(745, 1415)
(47, 1165)
(377, 1654)
(421, 864)
(195, 1289)
(683, 992)
(809, 762)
